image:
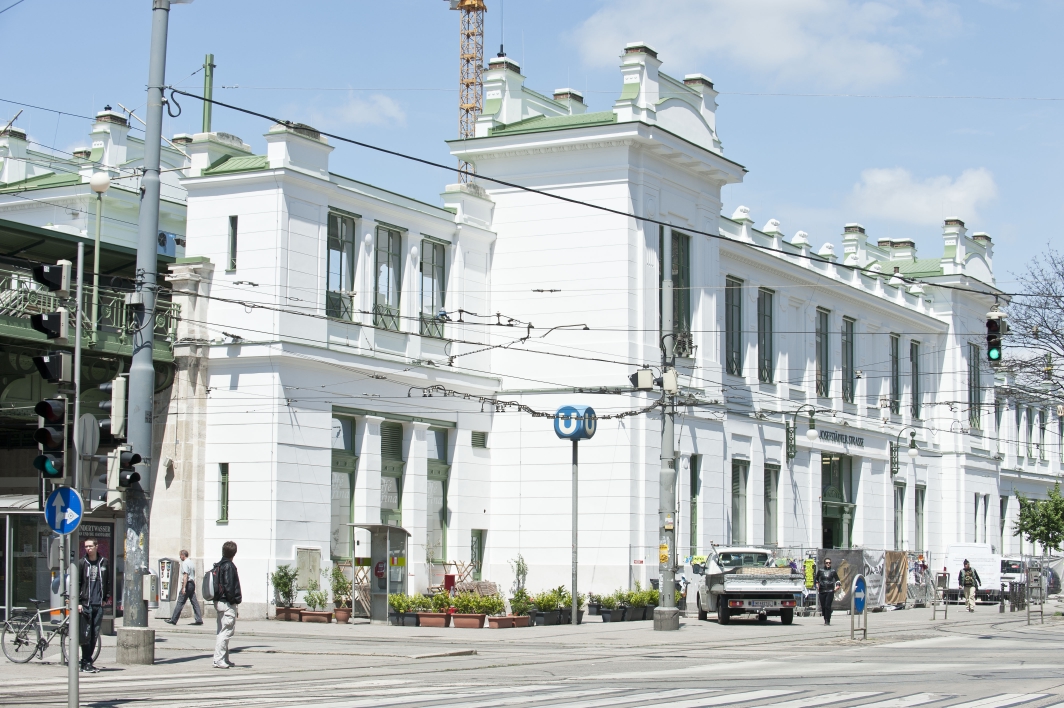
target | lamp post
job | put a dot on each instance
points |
(100, 182)
(811, 434)
(913, 451)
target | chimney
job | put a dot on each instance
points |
(954, 252)
(13, 145)
(571, 99)
(108, 136)
(502, 95)
(854, 245)
(298, 147)
(704, 86)
(639, 76)
(205, 149)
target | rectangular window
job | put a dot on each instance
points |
(739, 471)
(696, 489)
(1043, 417)
(339, 287)
(1003, 515)
(681, 289)
(480, 439)
(435, 546)
(983, 519)
(914, 379)
(232, 243)
(772, 480)
(899, 517)
(849, 382)
(975, 398)
(1019, 431)
(432, 287)
(342, 496)
(999, 420)
(476, 551)
(389, 277)
(921, 505)
(1060, 438)
(895, 374)
(223, 491)
(733, 326)
(1030, 433)
(765, 354)
(975, 519)
(823, 355)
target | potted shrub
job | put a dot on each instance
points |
(434, 611)
(467, 614)
(402, 607)
(494, 607)
(651, 601)
(341, 592)
(284, 588)
(610, 607)
(593, 603)
(316, 600)
(566, 599)
(520, 606)
(548, 608)
(636, 604)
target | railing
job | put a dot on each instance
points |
(338, 305)
(431, 326)
(386, 316)
(21, 297)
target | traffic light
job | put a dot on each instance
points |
(994, 330)
(115, 427)
(642, 380)
(54, 325)
(56, 278)
(50, 437)
(55, 367)
(120, 475)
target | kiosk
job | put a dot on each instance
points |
(387, 566)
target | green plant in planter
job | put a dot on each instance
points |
(593, 599)
(341, 586)
(678, 596)
(419, 603)
(467, 603)
(399, 603)
(520, 602)
(619, 598)
(546, 601)
(440, 602)
(650, 597)
(315, 597)
(284, 584)
(609, 602)
(491, 605)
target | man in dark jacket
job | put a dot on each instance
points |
(95, 591)
(826, 582)
(968, 580)
(227, 598)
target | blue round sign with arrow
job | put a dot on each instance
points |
(63, 510)
(859, 595)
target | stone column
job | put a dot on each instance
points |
(367, 503)
(415, 505)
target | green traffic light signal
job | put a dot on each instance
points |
(994, 354)
(50, 465)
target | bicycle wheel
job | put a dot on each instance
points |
(53, 644)
(19, 639)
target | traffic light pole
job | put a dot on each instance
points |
(666, 616)
(142, 370)
(73, 542)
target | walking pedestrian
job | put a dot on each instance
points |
(968, 580)
(95, 591)
(826, 582)
(187, 591)
(227, 599)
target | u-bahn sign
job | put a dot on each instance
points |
(575, 422)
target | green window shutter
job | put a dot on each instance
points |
(480, 439)
(392, 441)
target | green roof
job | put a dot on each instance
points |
(50, 179)
(915, 267)
(538, 124)
(230, 164)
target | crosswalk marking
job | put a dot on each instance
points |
(628, 697)
(1005, 699)
(726, 699)
(916, 699)
(823, 700)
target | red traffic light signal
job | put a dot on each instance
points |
(51, 409)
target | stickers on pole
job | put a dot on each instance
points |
(575, 422)
(63, 510)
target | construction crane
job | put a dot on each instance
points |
(470, 72)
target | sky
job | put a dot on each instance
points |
(892, 113)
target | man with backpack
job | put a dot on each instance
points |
(968, 580)
(221, 585)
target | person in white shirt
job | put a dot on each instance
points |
(187, 591)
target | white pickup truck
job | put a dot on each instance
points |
(743, 580)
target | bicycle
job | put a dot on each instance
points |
(23, 638)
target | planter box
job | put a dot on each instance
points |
(504, 622)
(520, 620)
(592, 608)
(462, 621)
(323, 617)
(343, 615)
(547, 618)
(634, 614)
(434, 619)
(567, 616)
(288, 614)
(616, 615)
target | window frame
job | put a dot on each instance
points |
(823, 353)
(1043, 421)
(739, 501)
(895, 374)
(771, 505)
(430, 324)
(849, 356)
(920, 511)
(694, 490)
(765, 352)
(733, 326)
(914, 379)
(975, 388)
(386, 314)
(899, 517)
(681, 290)
(339, 300)
(234, 229)
(223, 492)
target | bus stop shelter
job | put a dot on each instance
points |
(386, 565)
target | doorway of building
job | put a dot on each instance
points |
(837, 504)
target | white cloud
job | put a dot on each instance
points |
(894, 194)
(374, 109)
(828, 43)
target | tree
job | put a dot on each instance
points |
(1035, 339)
(1041, 521)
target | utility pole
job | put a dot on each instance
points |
(142, 370)
(666, 616)
(72, 539)
(208, 91)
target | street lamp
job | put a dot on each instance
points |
(913, 451)
(100, 182)
(810, 435)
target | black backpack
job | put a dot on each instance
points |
(211, 587)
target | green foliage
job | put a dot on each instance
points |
(676, 598)
(440, 602)
(593, 599)
(491, 605)
(315, 597)
(520, 568)
(467, 603)
(520, 602)
(419, 603)
(635, 598)
(284, 584)
(1041, 521)
(547, 601)
(399, 603)
(614, 600)
(341, 586)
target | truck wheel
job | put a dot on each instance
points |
(787, 615)
(762, 617)
(702, 614)
(723, 616)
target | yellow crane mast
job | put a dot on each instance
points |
(471, 71)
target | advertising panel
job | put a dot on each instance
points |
(897, 577)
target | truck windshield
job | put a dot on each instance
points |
(1011, 566)
(737, 560)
